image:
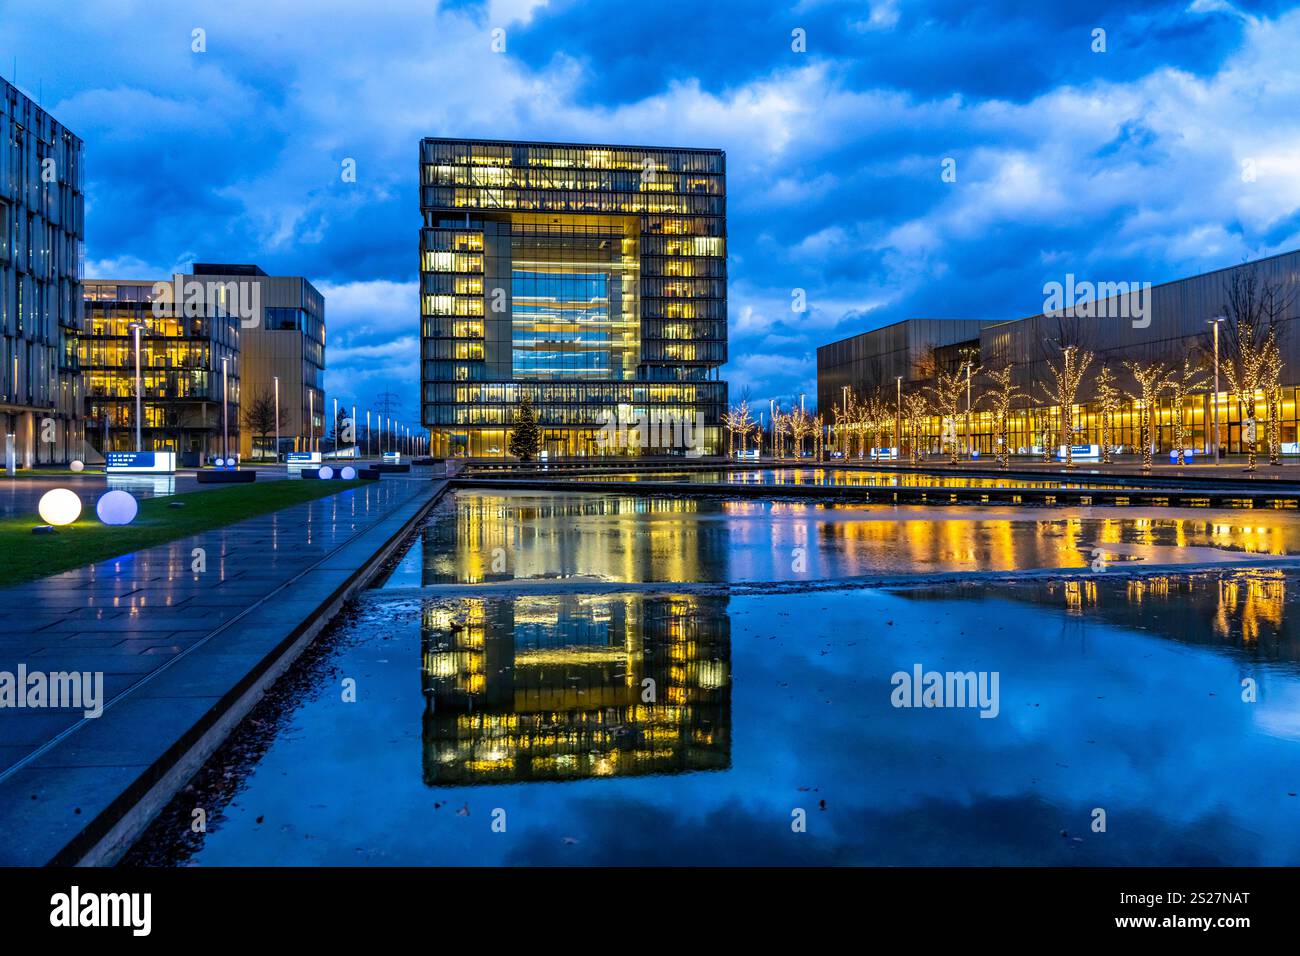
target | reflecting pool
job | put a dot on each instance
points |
(692, 728)
(478, 538)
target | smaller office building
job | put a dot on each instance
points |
(188, 364)
(212, 343)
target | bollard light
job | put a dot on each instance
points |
(117, 507)
(59, 507)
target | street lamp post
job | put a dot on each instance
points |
(354, 431)
(311, 421)
(277, 416)
(969, 447)
(336, 427)
(1215, 399)
(225, 407)
(135, 328)
(898, 419)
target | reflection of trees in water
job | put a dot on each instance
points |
(1246, 609)
(568, 687)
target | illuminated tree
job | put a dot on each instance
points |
(819, 429)
(1152, 378)
(946, 395)
(1001, 396)
(875, 419)
(1108, 395)
(1254, 315)
(525, 441)
(1181, 383)
(1067, 368)
(916, 410)
(739, 422)
(1273, 399)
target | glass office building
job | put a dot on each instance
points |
(188, 363)
(42, 226)
(591, 279)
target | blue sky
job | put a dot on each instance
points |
(1174, 151)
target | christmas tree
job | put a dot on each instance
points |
(525, 436)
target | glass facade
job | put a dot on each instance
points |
(181, 372)
(42, 225)
(590, 279)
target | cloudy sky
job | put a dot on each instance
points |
(1175, 150)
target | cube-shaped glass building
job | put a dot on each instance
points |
(590, 280)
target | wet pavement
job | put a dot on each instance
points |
(171, 629)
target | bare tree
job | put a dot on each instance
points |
(1001, 396)
(1067, 368)
(1182, 382)
(916, 410)
(1255, 311)
(1152, 378)
(259, 417)
(1108, 394)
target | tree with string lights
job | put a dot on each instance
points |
(1108, 395)
(1183, 382)
(1067, 367)
(946, 395)
(1273, 399)
(916, 410)
(1001, 396)
(1152, 378)
(1255, 312)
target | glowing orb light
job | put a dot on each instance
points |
(326, 471)
(59, 507)
(116, 507)
(348, 473)
(77, 465)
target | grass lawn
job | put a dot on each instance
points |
(50, 472)
(25, 556)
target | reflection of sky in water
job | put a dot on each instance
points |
(1109, 698)
(477, 537)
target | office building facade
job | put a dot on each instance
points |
(1177, 324)
(42, 228)
(589, 279)
(189, 360)
(212, 342)
(283, 339)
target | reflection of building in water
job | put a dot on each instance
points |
(619, 538)
(568, 687)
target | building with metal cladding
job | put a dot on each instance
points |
(42, 226)
(590, 279)
(222, 334)
(285, 341)
(1177, 322)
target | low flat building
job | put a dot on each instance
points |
(1176, 321)
(42, 226)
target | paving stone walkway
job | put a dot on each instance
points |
(174, 633)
